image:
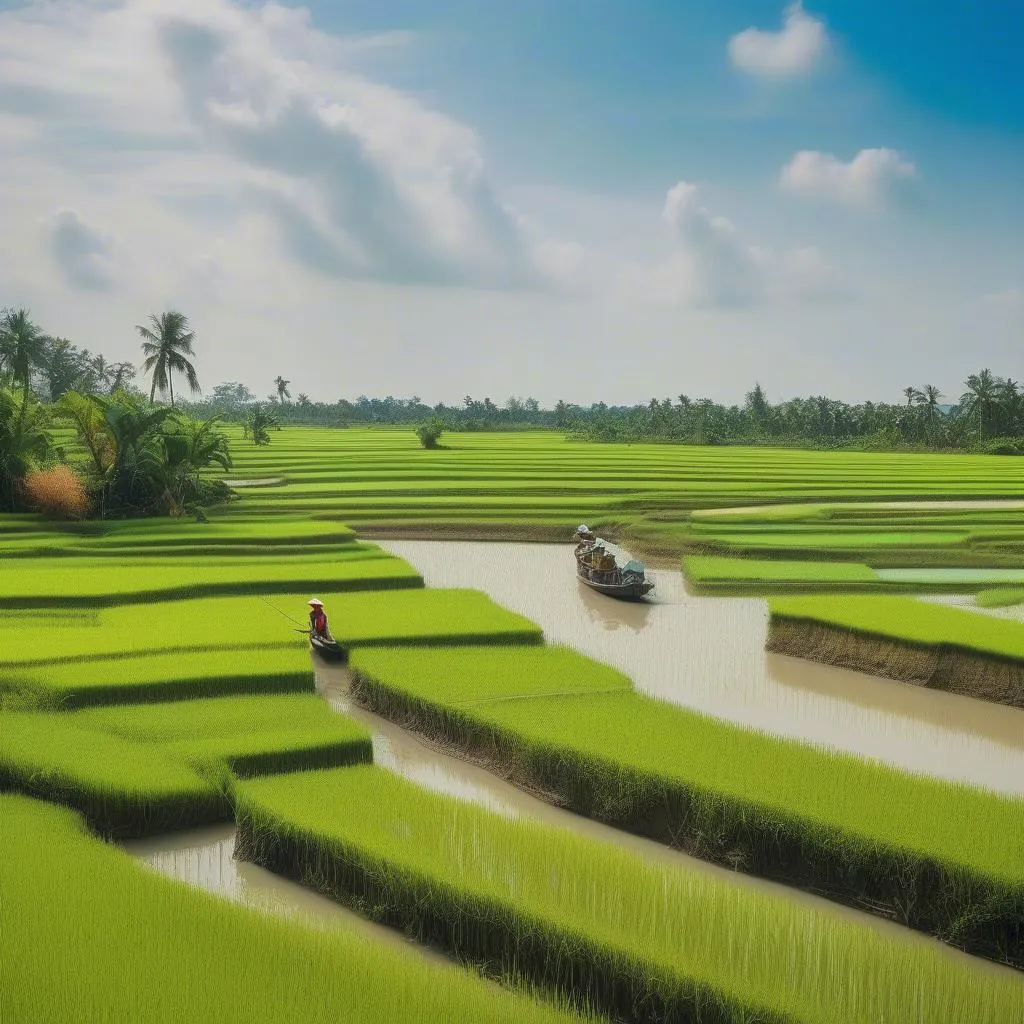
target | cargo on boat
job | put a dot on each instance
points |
(597, 568)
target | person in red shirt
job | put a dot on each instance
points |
(318, 619)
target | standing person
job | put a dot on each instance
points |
(318, 619)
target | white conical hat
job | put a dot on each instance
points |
(316, 602)
(584, 529)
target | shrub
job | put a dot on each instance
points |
(58, 493)
(430, 432)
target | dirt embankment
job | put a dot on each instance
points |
(940, 667)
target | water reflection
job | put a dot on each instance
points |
(708, 653)
(205, 858)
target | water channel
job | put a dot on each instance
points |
(707, 653)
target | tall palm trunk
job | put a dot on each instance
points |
(170, 383)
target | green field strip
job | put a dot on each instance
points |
(641, 940)
(102, 938)
(426, 617)
(920, 623)
(122, 787)
(65, 585)
(943, 858)
(1000, 597)
(145, 676)
(723, 572)
(247, 735)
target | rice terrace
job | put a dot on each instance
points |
(584, 708)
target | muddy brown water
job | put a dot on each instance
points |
(707, 653)
(205, 857)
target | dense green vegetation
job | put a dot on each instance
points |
(101, 938)
(148, 666)
(941, 857)
(989, 415)
(909, 621)
(645, 941)
(1001, 597)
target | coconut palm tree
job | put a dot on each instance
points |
(928, 399)
(282, 388)
(24, 443)
(166, 344)
(981, 396)
(24, 348)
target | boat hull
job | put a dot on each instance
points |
(329, 650)
(621, 591)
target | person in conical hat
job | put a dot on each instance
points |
(318, 619)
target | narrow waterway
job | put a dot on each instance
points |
(707, 653)
(205, 858)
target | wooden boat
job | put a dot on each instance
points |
(329, 650)
(629, 583)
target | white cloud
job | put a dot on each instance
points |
(194, 99)
(82, 254)
(795, 49)
(713, 265)
(865, 181)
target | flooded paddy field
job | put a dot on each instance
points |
(707, 653)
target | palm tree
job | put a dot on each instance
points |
(282, 388)
(166, 346)
(980, 396)
(24, 444)
(929, 399)
(24, 348)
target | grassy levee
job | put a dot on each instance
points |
(939, 857)
(721, 574)
(641, 941)
(250, 735)
(123, 788)
(1001, 597)
(943, 648)
(125, 945)
(146, 676)
(427, 617)
(102, 584)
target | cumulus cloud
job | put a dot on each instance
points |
(361, 180)
(82, 254)
(865, 181)
(795, 49)
(712, 264)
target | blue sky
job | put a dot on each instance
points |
(593, 199)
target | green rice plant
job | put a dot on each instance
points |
(1000, 597)
(426, 617)
(123, 788)
(940, 857)
(145, 676)
(642, 941)
(910, 621)
(107, 584)
(245, 735)
(102, 938)
(721, 573)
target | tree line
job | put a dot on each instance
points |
(987, 416)
(140, 458)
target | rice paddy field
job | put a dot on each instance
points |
(154, 679)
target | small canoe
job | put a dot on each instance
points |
(627, 584)
(329, 650)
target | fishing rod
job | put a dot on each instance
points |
(279, 612)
